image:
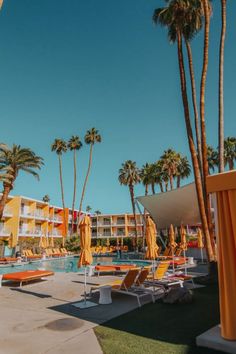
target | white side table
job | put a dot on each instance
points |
(105, 295)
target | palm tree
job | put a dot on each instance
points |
(88, 209)
(183, 170)
(172, 17)
(171, 160)
(74, 144)
(212, 158)
(60, 147)
(91, 138)
(13, 160)
(146, 176)
(97, 212)
(230, 151)
(46, 198)
(221, 86)
(207, 11)
(129, 175)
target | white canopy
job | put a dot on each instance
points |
(176, 207)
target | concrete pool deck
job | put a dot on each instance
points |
(39, 318)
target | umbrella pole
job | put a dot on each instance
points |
(85, 285)
(202, 255)
(185, 268)
(173, 264)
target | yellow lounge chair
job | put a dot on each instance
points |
(127, 286)
(159, 278)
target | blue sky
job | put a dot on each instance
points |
(67, 66)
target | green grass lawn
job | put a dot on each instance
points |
(162, 328)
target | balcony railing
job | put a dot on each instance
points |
(35, 232)
(7, 211)
(4, 232)
(56, 218)
(56, 233)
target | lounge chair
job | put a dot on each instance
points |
(159, 278)
(30, 255)
(113, 268)
(27, 276)
(127, 286)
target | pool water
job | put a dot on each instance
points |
(66, 265)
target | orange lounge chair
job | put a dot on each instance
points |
(113, 268)
(8, 260)
(28, 275)
(127, 286)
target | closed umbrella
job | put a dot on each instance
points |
(52, 241)
(183, 243)
(85, 256)
(172, 243)
(200, 243)
(41, 242)
(152, 247)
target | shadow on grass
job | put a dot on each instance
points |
(168, 327)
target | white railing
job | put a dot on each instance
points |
(56, 233)
(7, 211)
(4, 232)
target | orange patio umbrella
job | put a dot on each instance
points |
(199, 238)
(183, 243)
(152, 247)
(51, 241)
(200, 243)
(85, 255)
(85, 242)
(172, 242)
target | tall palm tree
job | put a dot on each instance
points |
(171, 160)
(97, 212)
(183, 170)
(88, 209)
(170, 17)
(129, 175)
(13, 160)
(74, 144)
(146, 177)
(230, 151)
(91, 138)
(212, 158)
(46, 198)
(221, 87)
(60, 147)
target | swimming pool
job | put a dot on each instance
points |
(66, 265)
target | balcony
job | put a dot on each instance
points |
(40, 215)
(27, 214)
(7, 212)
(5, 232)
(31, 233)
(56, 232)
(56, 219)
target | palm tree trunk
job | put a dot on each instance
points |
(131, 190)
(231, 164)
(178, 181)
(202, 114)
(194, 99)
(153, 188)
(86, 180)
(146, 189)
(6, 191)
(74, 193)
(221, 87)
(171, 181)
(62, 192)
(161, 187)
(196, 169)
